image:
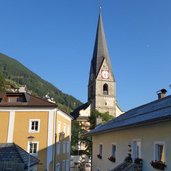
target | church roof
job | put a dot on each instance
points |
(76, 112)
(100, 49)
(154, 112)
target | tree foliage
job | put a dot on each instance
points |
(95, 114)
(2, 82)
(78, 137)
(79, 134)
(15, 71)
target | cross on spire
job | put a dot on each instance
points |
(100, 6)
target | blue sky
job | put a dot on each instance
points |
(55, 39)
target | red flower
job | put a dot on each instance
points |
(111, 158)
(99, 156)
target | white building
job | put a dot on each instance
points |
(144, 132)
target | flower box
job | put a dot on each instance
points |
(138, 161)
(112, 159)
(99, 156)
(128, 159)
(158, 165)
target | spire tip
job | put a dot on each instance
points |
(100, 6)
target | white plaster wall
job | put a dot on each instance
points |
(147, 134)
(85, 112)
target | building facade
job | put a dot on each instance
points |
(38, 127)
(140, 134)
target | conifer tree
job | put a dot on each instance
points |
(2, 82)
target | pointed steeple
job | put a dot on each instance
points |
(100, 50)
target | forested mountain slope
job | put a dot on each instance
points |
(18, 74)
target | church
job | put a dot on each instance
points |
(102, 83)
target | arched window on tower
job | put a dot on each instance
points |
(105, 89)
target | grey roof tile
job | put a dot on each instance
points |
(157, 110)
(13, 153)
(100, 50)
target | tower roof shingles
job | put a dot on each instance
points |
(100, 49)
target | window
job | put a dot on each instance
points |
(100, 149)
(33, 147)
(67, 165)
(68, 146)
(63, 165)
(64, 147)
(58, 167)
(136, 149)
(159, 151)
(58, 148)
(15, 99)
(34, 125)
(105, 89)
(113, 151)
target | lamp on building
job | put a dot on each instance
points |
(30, 138)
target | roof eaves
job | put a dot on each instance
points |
(138, 124)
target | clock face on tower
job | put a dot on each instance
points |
(105, 74)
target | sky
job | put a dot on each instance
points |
(55, 39)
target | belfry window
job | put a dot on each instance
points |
(105, 89)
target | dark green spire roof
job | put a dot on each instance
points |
(100, 49)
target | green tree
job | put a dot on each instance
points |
(2, 82)
(79, 134)
(95, 114)
(77, 137)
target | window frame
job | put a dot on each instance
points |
(68, 147)
(67, 165)
(58, 167)
(100, 149)
(58, 149)
(28, 147)
(105, 89)
(30, 125)
(136, 143)
(64, 147)
(63, 164)
(156, 152)
(114, 144)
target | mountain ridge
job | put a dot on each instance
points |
(16, 72)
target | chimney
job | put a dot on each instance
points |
(161, 93)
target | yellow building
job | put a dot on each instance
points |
(139, 138)
(37, 126)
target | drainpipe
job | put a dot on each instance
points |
(54, 167)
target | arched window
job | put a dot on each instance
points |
(105, 89)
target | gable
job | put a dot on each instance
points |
(105, 68)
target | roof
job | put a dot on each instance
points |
(100, 49)
(13, 153)
(156, 111)
(23, 100)
(76, 112)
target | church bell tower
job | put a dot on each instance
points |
(102, 85)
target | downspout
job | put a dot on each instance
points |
(54, 166)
